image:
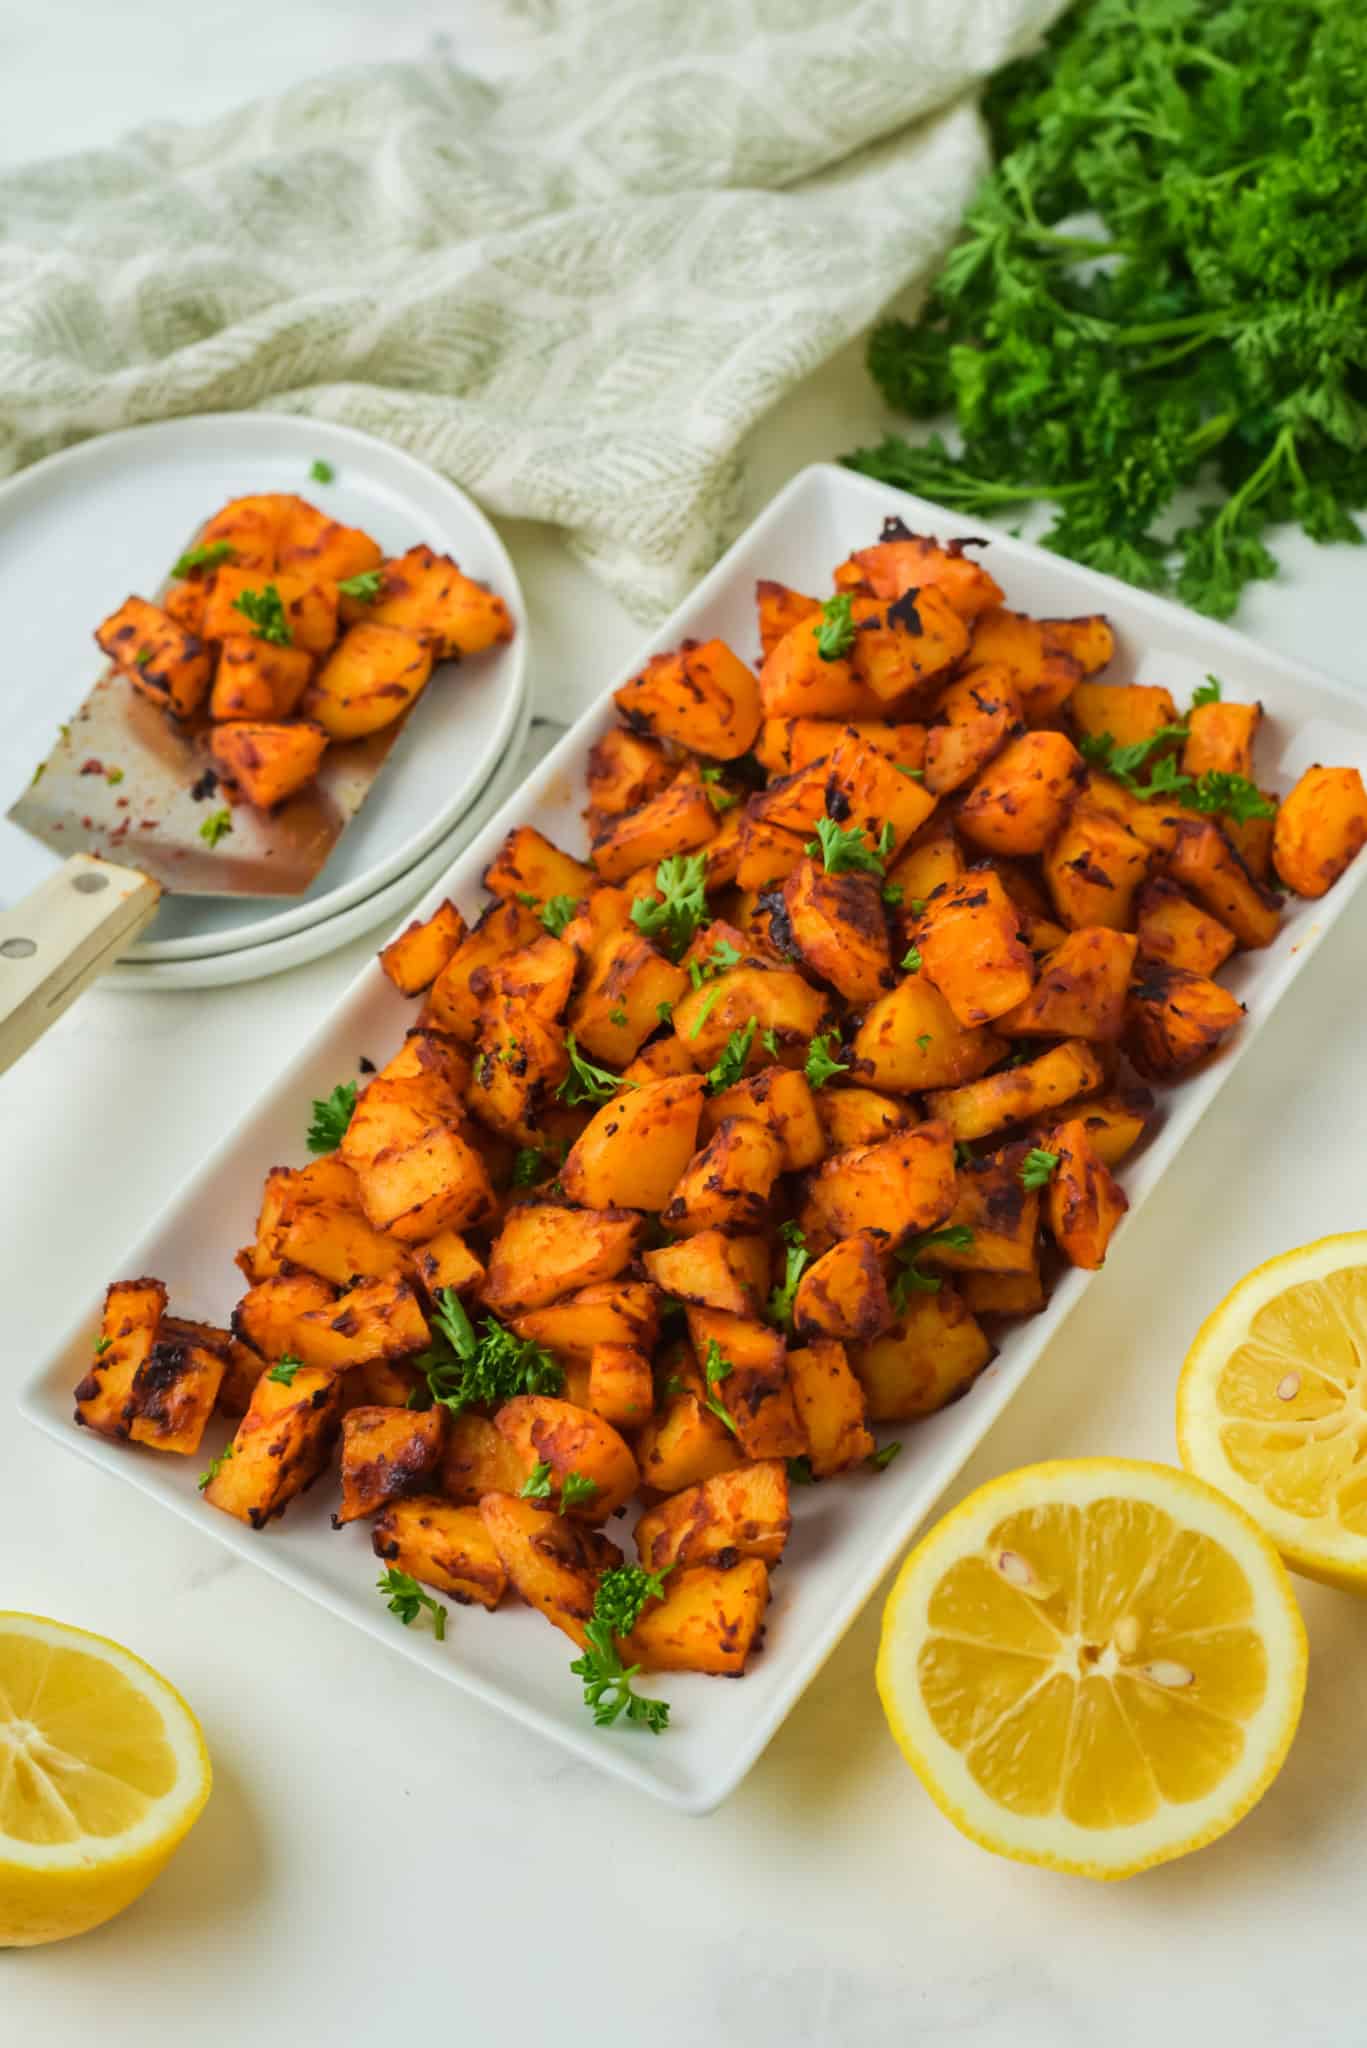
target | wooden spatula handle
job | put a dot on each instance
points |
(54, 943)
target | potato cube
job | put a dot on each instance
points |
(426, 593)
(571, 1440)
(844, 1293)
(683, 1443)
(308, 607)
(747, 1374)
(973, 720)
(636, 1147)
(553, 1562)
(780, 609)
(727, 1184)
(709, 1620)
(905, 561)
(133, 1310)
(546, 1250)
(386, 1452)
(733, 1515)
(174, 1392)
(1018, 1093)
(1083, 1201)
(1176, 1019)
(370, 678)
(453, 1004)
(830, 1402)
(782, 1100)
(932, 1352)
(703, 697)
(836, 923)
(441, 1545)
(1177, 931)
(1205, 864)
(967, 939)
(282, 1443)
(417, 956)
(255, 679)
(1081, 991)
(621, 1388)
(478, 1459)
(625, 770)
(267, 763)
(911, 1039)
(903, 1184)
(677, 821)
(1020, 800)
(1320, 829)
(1093, 869)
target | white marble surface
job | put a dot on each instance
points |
(381, 1859)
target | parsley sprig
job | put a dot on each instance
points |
(911, 1277)
(462, 1368)
(264, 611)
(835, 628)
(585, 1082)
(556, 912)
(796, 1259)
(848, 851)
(331, 1118)
(822, 1066)
(1216, 792)
(720, 960)
(731, 1065)
(216, 826)
(716, 1367)
(617, 1605)
(205, 557)
(284, 1369)
(1038, 1168)
(672, 917)
(365, 586)
(216, 1465)
(407, 1599)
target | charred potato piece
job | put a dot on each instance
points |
(903, 1184)
(437, 1182)
(1173, 929)
(254, 679)
(311, 544)
(747, 1375)
(713, 1270)
(1115, 1123)
(1320, 829)
(703, 698)
(636, 1147)
(426, 593)
(415, 959)
(735, 1514)
(911, 1039)
(308, 604)
(1035, 656)
(973, 721)
(604, 1312)
(836, 923)
(371, 677)
(843, 1294)
(267, 1317)
(1081, 991)
(709, 1620)
(728, 1184)
(904, 561)
(1019, 1093)
(621, 1388)
(441, 1545)
(478, 1459)
(1176, 1019)
(795, 682)
(830, 1402)
(683, 1443)
(782, 1100)
(282, 1443)
(157, 655)
(860, 1116)
(552, 1562)
(679, 820)
(1205, 864)
(967, 939)
(777, 998)
(380, 1319)
(570, 1440)
(628, 986)
(780, 609)
(933, 1352)
(527, 864)
(1021, 799)
(1083, 1202)
(546, 1250)
(386, 1453)
(174, 1392)
(267, 763)
(1093, 870)
(625, 770)
(1003, 1294)
(453, 1004)
(903, 643)
(133, 1310)
(1000, 1214)
(251, 527)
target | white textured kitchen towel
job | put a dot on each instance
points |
(572, 289)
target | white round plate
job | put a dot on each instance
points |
(386, 907)
(81, 530)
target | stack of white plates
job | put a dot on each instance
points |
(83, 529)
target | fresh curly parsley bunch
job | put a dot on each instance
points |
(1163, 285)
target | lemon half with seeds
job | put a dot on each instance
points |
(103, 1771)
(1272, 1404)
(1095, 1665)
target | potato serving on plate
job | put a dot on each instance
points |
(747, 1131)
(283, 632)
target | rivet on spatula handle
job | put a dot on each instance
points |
(55, 943)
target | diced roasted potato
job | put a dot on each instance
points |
(267, 1317)
(554, 1563)
(604, 1312)
(636, 1147)
(1220, 739)
(1081, 991)
(308, 606)
(537, 977)
(904, 561)
(621, 1388)
(864, 787)
(1000, 1213)
(1205, 864)
(133, 1309)
(684, 1442)
(312, 544)
(255, 679)
(243, 1367)
(973, 720)
(679, 820)
(1083, 1201)
(967, 939)
(392, 1111)
(836, 923)
(333, 1240)
(1018, 1094)
(1155, 822)
(911, 1039)
(1176, 1018)
(932, 1352)
(1126, 712)
(527, 864)
(282, 1443)
(903, 1184)
(174, 1391)
(1321, 828)
(624, 771)
(386, 1453)
(727, 1185)
(267, 763)
(503, 928)
(1020, 800)
(709, 1620)
(735, 1514)
(932, 856)
(1093, 869)
(796, 682)
(165, 662)
(780, 1098)
(1003, 1294)
(251, 527)
(859, 1116)
(1090, 640)
(415, 959)
(844, 1293)
(629, 986)
(380, 1319)
(571, 1440)
(370, 678)
(1044, 672)
(1252, 838)
(546, 1250)
(714, 1270)
(780, 609)
(766, 852)
(437, 1182)
(1177, 931)
(443, 1546)
(478, 1459)
(747, 1375)
(703, 697)
(1115, 1123)
(831, 1405)
(427, 593)
(904, 643)
(776, 998)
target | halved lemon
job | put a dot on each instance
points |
(1095, 1665)
(103, 1771)
(1272, 1404)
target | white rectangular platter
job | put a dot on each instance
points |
(846, 1533)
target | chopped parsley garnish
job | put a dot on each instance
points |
(461, 1368)
(617, 1606)
(847, 852)
(912, 774)
(102, 1345)
(911, 960)
(142, 657)
(910, 1277)
(284, 1369)
(216, 826)
(924, 1039)
(1038, 1168)
(835, 628)
(731, 1065)
(331, 1117)
(768, 1038)
(113, 776)
(1208, 692)
(407, 1599)
(720, 960)
(215, 1467)
(821, 1065)
(672, 917)
(1232, 796)
(322, 472)
(881, 1459)
(617, 1016)
(265, 612)
(796, 1259)
(665, 1012)
(576, 1490)
(721, 800)
(556, 912)
(715, 1369)
(585, 1082)
(527, 1166)
(537, 1484)
(365, 587)
(205, 557)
